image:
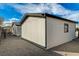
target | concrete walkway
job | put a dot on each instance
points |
(14, 46)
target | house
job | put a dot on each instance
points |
(1, 21)
(8, 29)
(0, 32)
(47, 30)
(77, 31)
(1, 26)
(16, 28)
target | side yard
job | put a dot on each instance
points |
(14, 46)
(68, 49)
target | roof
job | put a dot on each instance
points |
(43, 15)
(16, 23)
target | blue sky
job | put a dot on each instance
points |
(11, 12)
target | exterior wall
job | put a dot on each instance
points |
(76, 34)
(0, 31)
(33, 29)
(77, 26)
(16, 30)
(55, 32)
(12, 29)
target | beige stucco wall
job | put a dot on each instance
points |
(33, 29)
(55, 32)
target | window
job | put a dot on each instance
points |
(66, 28)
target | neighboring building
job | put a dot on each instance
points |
(47, 30)
(77, 30)
(1, 26)
(0, 31)
(16, 28)
(7, 26)
(1, 21)
(8, 29)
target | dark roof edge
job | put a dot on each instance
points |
(53, 16)
(23, 19)
(16, 24)
(25, 16)
(44, 14)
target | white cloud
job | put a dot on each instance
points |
(65, 13)
(58, 9)
(51, 8)
(28, 8)
(73, 16)
(8, 23)
(13, 19)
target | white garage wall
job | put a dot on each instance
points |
(33, 29)
(18, 30)
(55, 32)
(76, 34)
(14, 29)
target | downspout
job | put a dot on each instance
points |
(78, 33)
(45, 31)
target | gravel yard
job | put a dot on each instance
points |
(68, 49)
(15, 46)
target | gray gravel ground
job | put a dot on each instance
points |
(72, 47)
(14, 46)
